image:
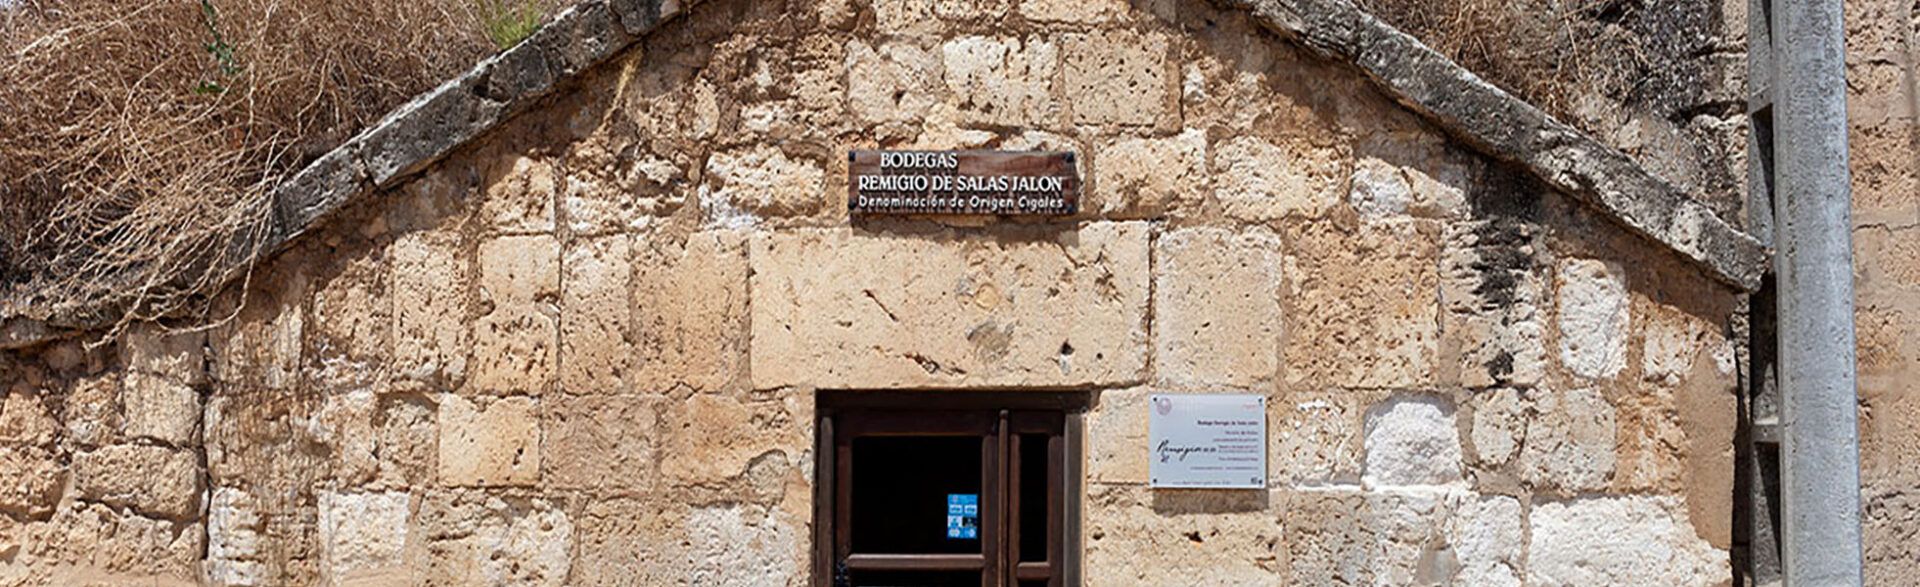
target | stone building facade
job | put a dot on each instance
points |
(568, 320)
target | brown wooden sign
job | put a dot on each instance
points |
(962, 182)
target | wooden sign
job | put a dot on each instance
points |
(962, 182)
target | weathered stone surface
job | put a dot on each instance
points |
(595, 353)
(1569, 443)
(1067, 308)
(1489, 541)
(352, 323)
(1499, 425)
(1116, 435)
(235, 539)
(495, 442)
(629, 542)
(1364, 304)
(744, 545)
(931, 17)
(1217, 307)
(710, 439)
(160, 409)
(408, 441)
(1118, 78)
(153, 348)
(1135, 536)
(893, 82)
(689, 312)
(95, 544)
(600, 442)
(30, 481)
(513, 343)
(1580, 542)
(362, 533)
(520, 195)
(765, 182)
(262, 346)
(1412, 440)
(1367, 538)
(92, 413)
(26, 419)
(1003, 81)
(344, 424)
(1258, 181)
(1146, 178)
(1593, 317)
(1491, 293)
(155, 481)
(1070, 11)
(475, 539)
(431, 287)
(1318, 437)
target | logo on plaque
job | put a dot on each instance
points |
(1007, 183)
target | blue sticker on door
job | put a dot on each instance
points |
(963, 516)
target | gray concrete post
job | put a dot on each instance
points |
(1813, 260)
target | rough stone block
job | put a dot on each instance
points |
(96, 544)
(1489, 542)
(344, 424)
(1318, 436)
(894, 82)
(1259, 181)
(629, 542)
(160, 409)
(1569, 441)
(408, 440)
(689, 312)
(1365, 309)
(1499, 425)
(1052, 309)
(1412, 440)
(519, 195)
(1216, 311)
(26, 419)
(713, 438)
(1149, 178)
(594, 316)
(600, 442)
(362, 532)
(492, 443)
(743, 544)
(1349, 537)
(477, 539)
(925, 18)
(154, 481)
(349, 336)
(30, 481)
(1117, 437)
(1579, 542)
(1593, 317)
(513, 342)
(431, 286)
(764, 182)
(1135, 536)
(1491, 292)
(261, 348)
(1002, 81)
(1073, 12)
(236, 535)
(151, 348)
(1119, 77)
(92, 414)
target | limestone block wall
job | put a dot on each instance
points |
(585, 351)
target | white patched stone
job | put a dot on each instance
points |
(234, 527)
(1411, 440)
(1593, 317)
(764, 181)
(1259, 181)
(742, 545)
(535, 548)
(1004, 81)
(1379, 189)
(362, 531)
(1632, 540)
(1672, 342)
(1499, 424)
(1570, 441)
(1488, 538)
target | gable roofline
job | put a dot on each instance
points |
(1499, 125)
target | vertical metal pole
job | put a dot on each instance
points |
(1814, 262)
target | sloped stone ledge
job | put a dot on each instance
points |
(1509, 129)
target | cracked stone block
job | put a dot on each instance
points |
(1569, 442)
(1593, 317)
(1217, 307)
(160, 409)
(1149, 177)
(152, 480)
(1002, 81)
(689, 312)
(515, 336)
(1060, 308)
(594, 316)
(1259, 181)
(362, 532)
(1412, 440)
(1579, 542)
(489, 444)
(1118, 77)
(1364, 308)
(600, 441)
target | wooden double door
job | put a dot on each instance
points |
(936, 496)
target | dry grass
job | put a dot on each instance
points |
(138, 139)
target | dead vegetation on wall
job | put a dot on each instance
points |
(139, 139)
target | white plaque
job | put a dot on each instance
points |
(1208, 441)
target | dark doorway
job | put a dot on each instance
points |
(940, 489)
